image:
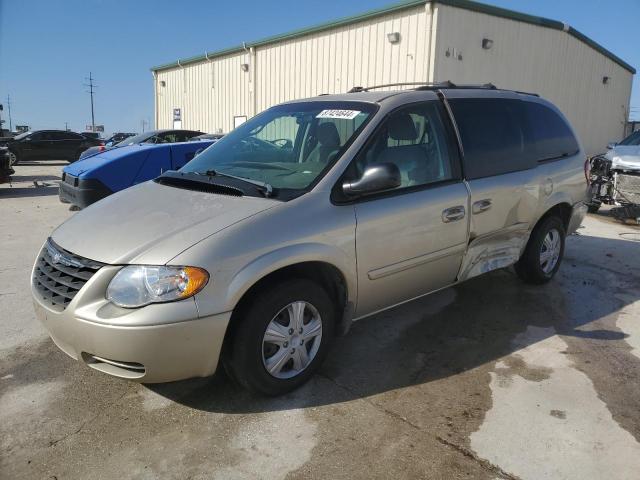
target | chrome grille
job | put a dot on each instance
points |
(59, 275)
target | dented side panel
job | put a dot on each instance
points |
(493, 251)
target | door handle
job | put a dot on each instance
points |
(481, 206)
(453, 214)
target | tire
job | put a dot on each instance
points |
(593, 207)
(13, 158)
(531, 268)
(250, 354)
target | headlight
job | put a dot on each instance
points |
(139, 285)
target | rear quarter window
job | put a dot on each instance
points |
(549, 135)
(493, 134)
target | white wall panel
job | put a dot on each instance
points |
(210, 94)
(535, 59)
(524, 57)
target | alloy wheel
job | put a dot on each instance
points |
(550, 251)
(291, 340)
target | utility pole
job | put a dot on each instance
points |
(144, 123)
(9, 109)
(91, 86)
(66, 126)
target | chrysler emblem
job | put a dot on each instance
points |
(59, 258)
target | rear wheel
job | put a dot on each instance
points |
(282, 338)
(542, 257)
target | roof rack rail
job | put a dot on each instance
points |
(400, 84)
(525, 93)
(423, 86)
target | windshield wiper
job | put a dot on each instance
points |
(267, 189)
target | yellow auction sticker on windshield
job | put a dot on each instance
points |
(344, 114)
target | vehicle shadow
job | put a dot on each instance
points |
(43, 163)
(21, 192)
(31, 178)
(451, 332)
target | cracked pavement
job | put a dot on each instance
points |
(489, 379)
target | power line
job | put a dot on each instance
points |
(91, 86)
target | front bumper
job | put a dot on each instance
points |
(156, 343)
(82, 192)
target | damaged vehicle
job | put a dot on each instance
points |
(309, 216)
(615, 178)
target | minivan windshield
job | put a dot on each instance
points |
(287, 147)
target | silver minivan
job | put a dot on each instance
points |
(311, 215)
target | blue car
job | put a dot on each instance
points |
(89, 180)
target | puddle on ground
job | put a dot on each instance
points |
(551, 426)
(271, 447)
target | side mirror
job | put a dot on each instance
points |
(611, 145)
(376, 178)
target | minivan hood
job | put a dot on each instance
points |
(152, 223)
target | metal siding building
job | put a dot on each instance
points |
(438, 40)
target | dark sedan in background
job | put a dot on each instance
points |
(153, 136)
(5, 165)
(48, 145)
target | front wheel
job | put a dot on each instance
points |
(543, 254)
(13, 158)
(282, 337)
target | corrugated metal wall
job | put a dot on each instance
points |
(336, 60)
(211, 93)
(523, 57)
(535, 59)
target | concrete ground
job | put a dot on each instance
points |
(491, 379)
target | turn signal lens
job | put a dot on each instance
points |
(197, 278)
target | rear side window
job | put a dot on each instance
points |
(493, 136)
(550, 136)
(66, 136)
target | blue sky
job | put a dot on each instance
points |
(48, 47)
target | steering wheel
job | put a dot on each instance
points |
(282, 142)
